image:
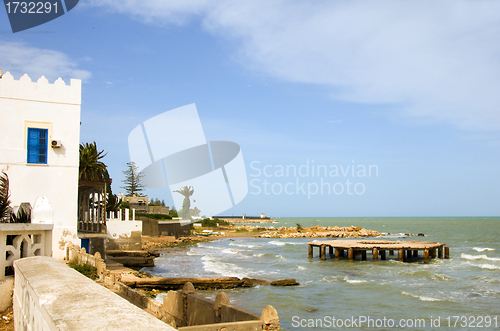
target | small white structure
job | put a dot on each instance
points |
(39, 149)
(42, 212)
(123, 235)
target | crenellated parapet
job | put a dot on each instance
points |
(40, 90)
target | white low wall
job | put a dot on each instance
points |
(122, 229)
(48, 295)
(18, 240)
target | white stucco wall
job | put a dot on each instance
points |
(55, 107)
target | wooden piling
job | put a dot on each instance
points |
(446, 252)
(337, 252)
(406, 250)
(401, 255)
(432, 253)
(322, 252)
(350, 254)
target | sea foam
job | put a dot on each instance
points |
(421, 297)
(479, 257)
(480, 249)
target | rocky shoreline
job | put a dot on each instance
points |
(320, 232)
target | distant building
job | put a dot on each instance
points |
(140, 204)
(39, 148)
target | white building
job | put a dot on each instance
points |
(39, 148)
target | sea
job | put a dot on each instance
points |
(459, 293)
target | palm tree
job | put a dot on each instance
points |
(5, 209)
(186, 204)
(91, 168)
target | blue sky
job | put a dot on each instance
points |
(408, 87)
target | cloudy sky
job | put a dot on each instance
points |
(408, 88)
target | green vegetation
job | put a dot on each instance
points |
(6, 213)
(155, 216)
(173, 213)
(112, 201)
(124, 205)
(241, 230)
(91, 168)
(5, 209)
(132, 179)
(85, 269)
(157, 202)
(212, 223)
(299, 227)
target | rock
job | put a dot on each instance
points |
(285, 282)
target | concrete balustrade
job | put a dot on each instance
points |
(48, 295)
(18, 240)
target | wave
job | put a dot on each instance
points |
(421, 297)
(479, 257)
(396, 235)
(283, 243)
(487, 266)
(344, 279)
(277, 243)
(223, 268)
(480, 249)
(249, 246)
(354, 281)
(231, 251)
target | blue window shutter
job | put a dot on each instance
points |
(37, 145)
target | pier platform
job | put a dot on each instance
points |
(406, 250)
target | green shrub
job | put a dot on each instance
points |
(212, 223)
(155, 216)
(85, 269)
(241, 230)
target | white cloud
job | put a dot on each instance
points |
(439, 60)
(19, 58)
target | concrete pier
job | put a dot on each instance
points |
(406, 249)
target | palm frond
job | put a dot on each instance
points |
(5, 209)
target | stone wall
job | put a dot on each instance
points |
(49, 295)
(184, 309)
(158, 210)
(192, 312)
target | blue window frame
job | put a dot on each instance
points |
(37, 145)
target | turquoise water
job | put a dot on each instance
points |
(463, 291)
